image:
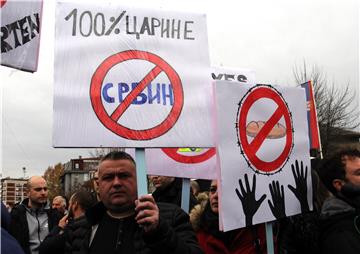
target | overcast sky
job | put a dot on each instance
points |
(269, 37)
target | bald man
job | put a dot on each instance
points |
(32, 219)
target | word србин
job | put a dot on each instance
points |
(162, 92)
(165, 28)
(25, 27)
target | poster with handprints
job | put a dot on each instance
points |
(263, 151)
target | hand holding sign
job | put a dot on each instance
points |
(248, 200)
(278, 203)
(301, 186)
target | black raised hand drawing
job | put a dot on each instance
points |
(278, 200)
(300, 191)
(248, 200)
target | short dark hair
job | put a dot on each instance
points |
(84, 199)
(334, 167)
(117, 155)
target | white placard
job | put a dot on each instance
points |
(262, 132)
(20, 34)
(199, 163)
(130, 77)
(241, 75)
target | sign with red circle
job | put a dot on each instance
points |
(111, 121)
(250, 149)
(2, 3)
(189, 159)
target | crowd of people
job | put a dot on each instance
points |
(115, 219)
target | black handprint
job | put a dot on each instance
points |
(301, 186)
(278, 202)
(248, 200)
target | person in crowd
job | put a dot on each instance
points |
(205, 221)
(300, 233)
(59, 203)
(33, 219)
(124, 223)
(195, 188)
(68, 236)
(95, 182)
(9, 245)
(340, 214)
(169, 190)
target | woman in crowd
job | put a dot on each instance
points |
(205, 221)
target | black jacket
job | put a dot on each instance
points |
(19, 226)
(69, 241)
(174, 234)
(340, 227)
(172, 194)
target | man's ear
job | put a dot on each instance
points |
(338, 184)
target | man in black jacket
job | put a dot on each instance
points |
(340, 215)
(125, 223)
(32, 219)
(169, 190)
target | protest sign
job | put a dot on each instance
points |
(130, 77)
(191, 162)
(20, 34)
(241, 75)
(264, 153)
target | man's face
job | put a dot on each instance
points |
(117, 184)
(213, 197)
(352, 169)
(58, 205)
(160, 182)
(38, 192)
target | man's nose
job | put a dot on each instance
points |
(117, 181)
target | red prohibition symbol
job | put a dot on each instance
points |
(2, 3)
(249, 150)
(173, 154)
(111, 121)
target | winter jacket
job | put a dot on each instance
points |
(212, 241)
(9, 245)
(172, 194)
(299, 234)
(19, 227)
(68, 240)
(173, 235)
(340, 227)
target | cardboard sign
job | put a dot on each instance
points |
(20, 34)
(263, 150)
(241, 75)
(199, 163)
(122, 78)
(191, 162)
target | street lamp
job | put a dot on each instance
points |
(24, 170)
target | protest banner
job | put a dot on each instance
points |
(263, 150)
(191, 162)
(122, 77)
(20, 34)
(241, 75)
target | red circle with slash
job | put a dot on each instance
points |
(2, 3)
(173, 154)
(250, 149)
(111, 122)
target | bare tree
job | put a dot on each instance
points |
(336, 106)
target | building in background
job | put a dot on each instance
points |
(13, 190)
(77, 173)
